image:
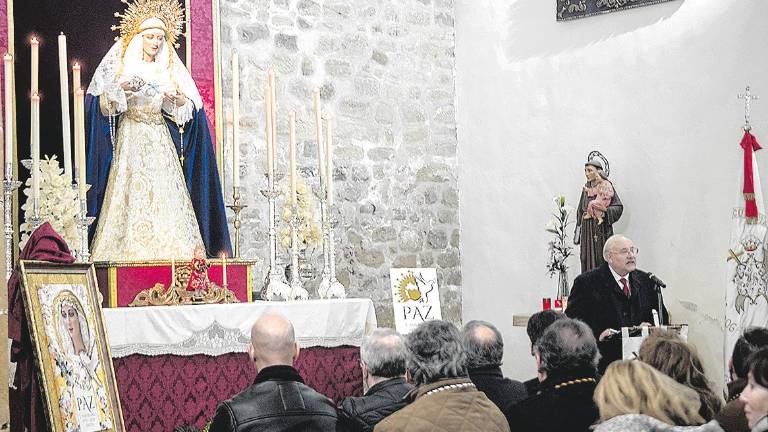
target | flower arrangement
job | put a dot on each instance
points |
(309, 233)
(559, 249)
(59, 204)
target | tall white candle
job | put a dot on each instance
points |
(8, 76)
(66, 139)
(35, 145)
(318, 132)
(329, 161)
(75, 76)
(224, 268)
(235, 120)
(273, 99)
(268, 133)
(35, 45)
(80, 143)
(292, 154)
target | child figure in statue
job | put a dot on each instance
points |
(601, 195)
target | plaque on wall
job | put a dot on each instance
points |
(573, 9)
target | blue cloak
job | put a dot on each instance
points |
(200, 173)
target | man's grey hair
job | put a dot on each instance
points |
(608, 246)
(567, 345)
(483, 344)
(434, 352)
(383, 351)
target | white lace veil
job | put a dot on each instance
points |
(106, 77)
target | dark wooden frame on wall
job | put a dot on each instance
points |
(574, 9)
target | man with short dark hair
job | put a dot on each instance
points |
(444, 400)
(731, 417)
(566, 356)
(382, 359)
(536, 326)
(277, 400)
(485, 347)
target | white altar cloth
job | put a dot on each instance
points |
(220, 329)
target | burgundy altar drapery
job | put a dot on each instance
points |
(161, 393)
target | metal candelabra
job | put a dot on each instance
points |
(276, 287)
(297, 286)
(237, 207)
(35, 220)
(9, 185)
(329, 286)
(84, 221)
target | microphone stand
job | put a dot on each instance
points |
(660, 299)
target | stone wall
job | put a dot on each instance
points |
(386, 74)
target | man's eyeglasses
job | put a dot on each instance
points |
(626, 251)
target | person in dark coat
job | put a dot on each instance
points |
(537, 323)
(613, 296)
(278, 400)
(567, 356)
(485, 347)
(731, 417)
(382, 359)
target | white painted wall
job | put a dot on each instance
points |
(654, 89)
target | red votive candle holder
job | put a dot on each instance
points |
(546, 303)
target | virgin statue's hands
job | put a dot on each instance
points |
(134, 84)
(175, 98)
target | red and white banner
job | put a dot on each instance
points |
(746, 297)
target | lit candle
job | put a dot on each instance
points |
(273, 99)
(35, 145)
(75, 76)
(318, 132)
(268, 133)
(8, 75)
(80, 143)
(236, 120)
(329, 162)
(224, 269)
(35, 44)
(64, 84)
(292, 155)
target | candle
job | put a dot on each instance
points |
(292, 154)
(35, 44)
(328, 162)
(273, 99)
(80, 141)
(8, 69)
(35, 145)
(224, 269)
(173, 271)
(75, 76)
(268, 133)
(64, 84)
(318, 132)
(236, 120)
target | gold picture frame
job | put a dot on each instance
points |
(71, 350)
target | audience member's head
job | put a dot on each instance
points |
(539, 322)
(566, 347)
(382, 356)
(273, 342)
(621, 254)
(679, 360)
(755, 394)
(633, 387)
(752, 340)
(434, 351)
(483, 344)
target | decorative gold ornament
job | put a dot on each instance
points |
(177, 293)
(170, 12)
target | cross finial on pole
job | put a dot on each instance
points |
(748, 98)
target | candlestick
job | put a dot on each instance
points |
(34, 69)
(9, 186)
(35, 148)
(8, 76)
(237, 207)
(329, 161)
(83, 222)
(236, 120)
(319, 133)
(292, 155)
(66, 140)
(297, 286)
(80, 142)
(75, 76)
(275, 288)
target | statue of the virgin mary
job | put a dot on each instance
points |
(155, 189)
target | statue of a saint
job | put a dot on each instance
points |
(599, 208)
(155, 188)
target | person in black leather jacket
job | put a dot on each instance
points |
(382, 358)
(278, 399)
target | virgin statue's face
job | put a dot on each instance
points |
(71, 321)
(590, 172)
(152, 42)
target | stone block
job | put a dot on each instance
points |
(307, 67)
(384, 234)
(451, 198)
(286, 41)
(250, 33)
(338, 68)
(385, 113)
(380, 57)
(455, 238)
(410, 240)
(380, 154)
(308, 8)
(437, 239)
(405, 261)
(448, 259)
(370, 258)
(444, 18)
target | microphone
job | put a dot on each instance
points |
(655, 279)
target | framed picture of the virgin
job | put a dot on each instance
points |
(71, 349)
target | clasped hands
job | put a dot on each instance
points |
(136, 83)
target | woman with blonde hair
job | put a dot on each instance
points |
(678, 359)
(635, 397)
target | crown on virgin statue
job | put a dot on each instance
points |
(166, 15)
